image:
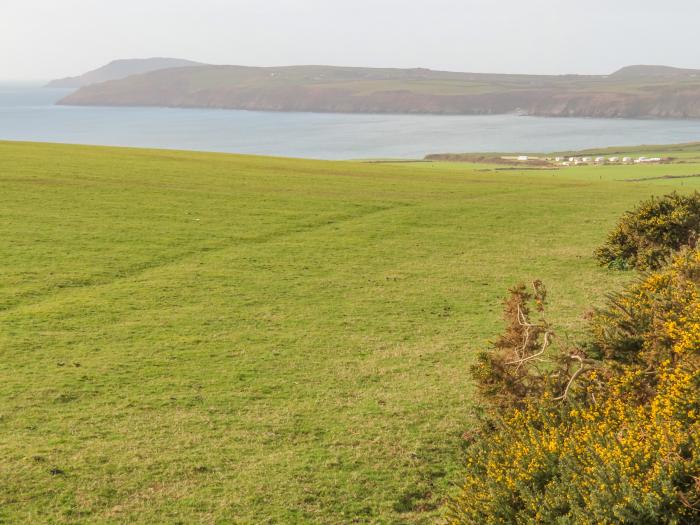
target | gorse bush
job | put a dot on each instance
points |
(613, 438)
(645, 237)
(644, 324)
(522, 364)
(615, 461)
(501, 382)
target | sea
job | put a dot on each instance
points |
(28, 112)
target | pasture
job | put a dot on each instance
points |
(210, 338)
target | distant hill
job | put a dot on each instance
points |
(633, 92)
(121, 69)
(654, 72)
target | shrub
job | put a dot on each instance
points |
(645, 237)
(626, 447)
(612, 462)
(643, 325)
(523, 363)
(509, 374)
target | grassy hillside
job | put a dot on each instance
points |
(190, 337)
(642, 91)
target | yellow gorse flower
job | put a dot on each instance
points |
(632, 453)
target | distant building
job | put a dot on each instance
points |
(614, 159)
(523, 157)
(627, 159)
(558, 159)
(600, 159)
(586, 159)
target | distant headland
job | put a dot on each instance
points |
(119, 69)
(631, 92)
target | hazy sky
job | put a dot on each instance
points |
(41, 39)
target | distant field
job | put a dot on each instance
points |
(679, 152)
(210, 338)
(675, 154)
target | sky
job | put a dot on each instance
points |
(44, 39)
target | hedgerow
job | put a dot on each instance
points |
(605, 433)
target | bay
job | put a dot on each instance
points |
(29, 113)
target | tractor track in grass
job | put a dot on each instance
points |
(140, 269)
(663, 177)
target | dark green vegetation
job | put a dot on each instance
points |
(214, 338)
(636, 92)
(605, 429)
(646, 236)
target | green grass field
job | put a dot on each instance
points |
(210, 338)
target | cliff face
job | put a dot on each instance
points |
(677, 103)
(360, 90)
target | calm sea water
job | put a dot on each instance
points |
(28, 113)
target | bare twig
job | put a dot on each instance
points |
(524, 360)
(581, 369)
